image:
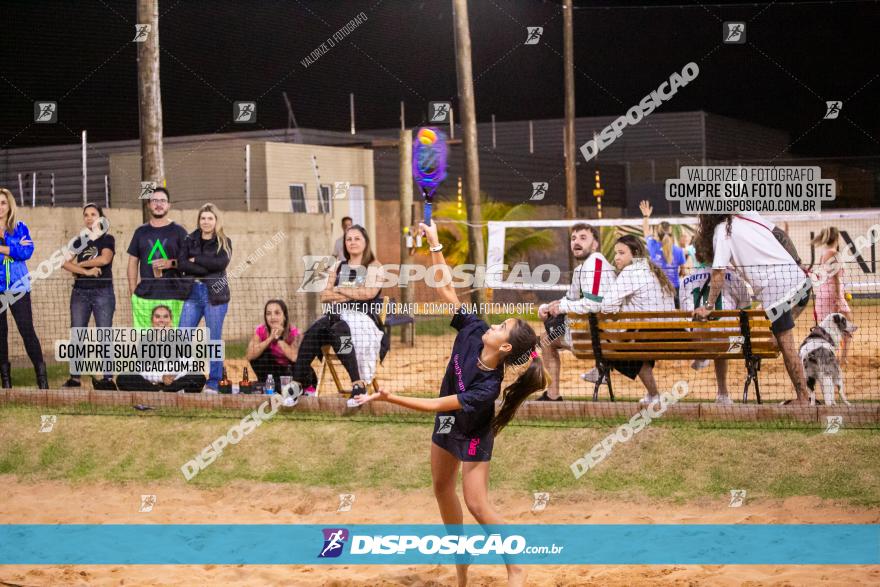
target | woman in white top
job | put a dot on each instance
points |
(640, 286)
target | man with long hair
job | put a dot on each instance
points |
(746, 243)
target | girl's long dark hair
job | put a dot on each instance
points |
(284, 311)
(638, 249)
(524, 342)
(705, 249)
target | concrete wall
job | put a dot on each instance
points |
(286, 164)
(261, 268)
(217, 173)
(195, 176)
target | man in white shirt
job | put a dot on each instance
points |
(746, 243)
(339, 247)
(590, 281)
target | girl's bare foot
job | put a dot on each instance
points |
(516, 576)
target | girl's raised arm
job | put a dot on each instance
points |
(443, 275)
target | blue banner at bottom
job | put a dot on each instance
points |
(749, 544)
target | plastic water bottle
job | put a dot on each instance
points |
(270, 385)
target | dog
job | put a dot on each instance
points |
(818, 354)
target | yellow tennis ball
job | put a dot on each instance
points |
(427, 136)
(848, 296)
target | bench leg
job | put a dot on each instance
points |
(752, 368)
(604, 376)
(757, 367)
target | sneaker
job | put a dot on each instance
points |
(292, 393)
(358, 389)
(71, 383)
(104, 385)
(723, 400)
(591, 376)
(649, 399)
(311, 391)
(546, 398)
(699, 364)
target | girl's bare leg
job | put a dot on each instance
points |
(475, 486)
(444, 470)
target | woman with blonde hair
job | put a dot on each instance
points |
(830, 294)
(203, 260)
(662, 250)
(16, 247)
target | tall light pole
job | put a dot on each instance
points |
(476, 252)
(150, 96)
(568, 66)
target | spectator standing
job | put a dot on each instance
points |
(831, 295)
(92, 293)
(339, 247)
(746, 243)
(690, 253)
(203, 260)
(153, 276)
(16, 247)
(662, 249)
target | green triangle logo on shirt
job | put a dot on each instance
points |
(157, 246)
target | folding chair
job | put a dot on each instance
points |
(330, 362)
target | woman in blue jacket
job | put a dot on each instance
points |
(16, 247)
(203, 261)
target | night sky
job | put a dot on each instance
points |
(215, 52)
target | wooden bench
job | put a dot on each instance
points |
(330, 362)
(673, 335)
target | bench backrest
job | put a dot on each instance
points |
(672, 335)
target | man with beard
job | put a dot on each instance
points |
(591, 279)
(153, 277)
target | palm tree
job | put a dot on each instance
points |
(518, 241)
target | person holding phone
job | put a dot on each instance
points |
(153, 276)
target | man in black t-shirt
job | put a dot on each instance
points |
(153, 277)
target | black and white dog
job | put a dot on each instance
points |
(818, 354)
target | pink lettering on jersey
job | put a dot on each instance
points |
(458, 373)
(472, 448)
